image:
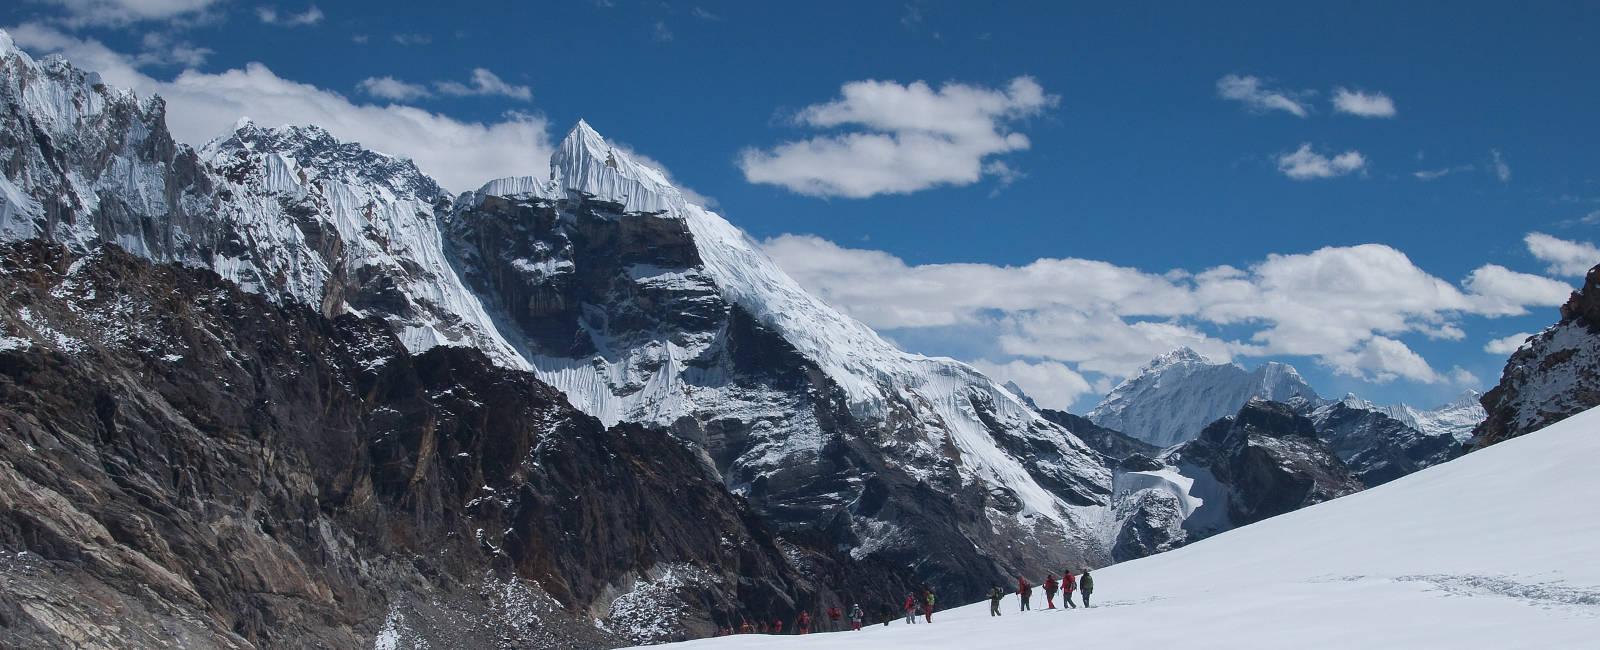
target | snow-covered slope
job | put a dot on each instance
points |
(1465, 554)
(1175, 396)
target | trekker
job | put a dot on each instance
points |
(1024, 592)
(744, 628)
(1050, 591)
(855, 617)
(1086, 584)
(995, 594)
(777, 626)
(911, 608)
(804, 623)
(1068, 584)
(927, 605)
(887, 615)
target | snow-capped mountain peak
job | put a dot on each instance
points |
(586, 163)
(322, 156)
(1178, 393)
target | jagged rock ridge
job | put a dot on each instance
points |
(1553, 376)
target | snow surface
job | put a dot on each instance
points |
(1471, 553)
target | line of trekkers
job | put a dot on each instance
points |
(1068, 584)
(913, 605)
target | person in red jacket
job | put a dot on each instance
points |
(804, 622)
(744, 628)
(911, 608)
(834, 614)
(1024, 592)
(777, 626)
(1068, 585)
(1050, 591)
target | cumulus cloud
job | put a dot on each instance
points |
(269, 15)
(1569, 258)
(909, 137)
(1051, 384)
(201, 106)
(1503, 292)
(1305, 164)
(1362, 104)
(1253, 93)
(116, 13)
(1346, 307)
(1506, 345)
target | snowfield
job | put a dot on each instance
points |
(1499, 549)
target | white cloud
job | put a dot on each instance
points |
(115, 13)
(1434, 174)
(201, 106)
(1569, 258)
(1382, 359)
(1051, 384)
(1305, 164)
(1502, 170)
(661, 32)
(391, 88)
(1251, 92)
(412, 38)
(913, 138)
(1362, 104)
(269, 15)
(484, 83)
(1506, 345)
(1502, 291)
(1346, 307)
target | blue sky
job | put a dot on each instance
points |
(1157, 145)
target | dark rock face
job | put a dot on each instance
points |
(1265, 461)
(1376, 447)
(231, 473)
(581, 277)
(1110, 442)
(1553, 376)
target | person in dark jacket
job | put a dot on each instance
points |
(855, 617)
(1086, 585)
(1050, 591)
(1024, 592)
(1068, 585)
(995, 594)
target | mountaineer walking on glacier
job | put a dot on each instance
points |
(1068, 584)
(1050, 591)
(1024, 592)
(1086, 584)
(911, 608)
(995, 594)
